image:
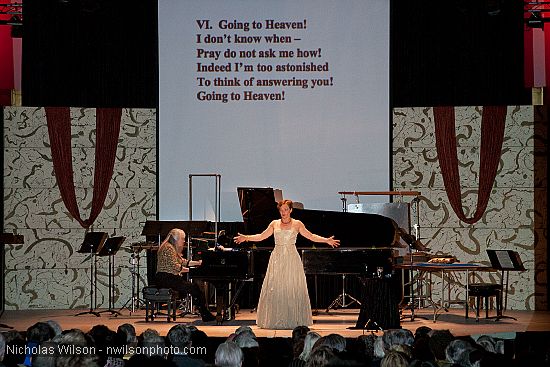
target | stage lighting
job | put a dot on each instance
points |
(536, 20)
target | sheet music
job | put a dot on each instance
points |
(504, 259)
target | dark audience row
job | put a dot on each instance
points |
(46, 345)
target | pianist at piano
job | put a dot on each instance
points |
(284, 300)
(171, 266)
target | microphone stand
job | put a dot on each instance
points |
(411, 241)
(410, 245)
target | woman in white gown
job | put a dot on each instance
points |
(284, 300)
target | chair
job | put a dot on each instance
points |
(155, 298)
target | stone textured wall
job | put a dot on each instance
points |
(47, 271)
(508, 222)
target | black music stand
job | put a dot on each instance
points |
(505, 261)
(110, 248)
(153, 228)
(7, 239)
(93, 241)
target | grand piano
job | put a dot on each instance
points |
(354, 230)
(366, 244)
(366, 250)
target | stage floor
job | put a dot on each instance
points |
(336, 321)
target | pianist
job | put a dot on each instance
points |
(284, 299)
(171, 266)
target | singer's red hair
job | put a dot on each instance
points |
(286, 202)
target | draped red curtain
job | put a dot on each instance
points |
(493, 121)
(107, 132)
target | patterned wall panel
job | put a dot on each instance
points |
(47, 271)
(508, 222)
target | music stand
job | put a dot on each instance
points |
(153, 228)
(505, 261)
(93, 241)
(110, 248)
(7, 239)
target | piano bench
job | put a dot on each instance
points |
(485, 290)
(155, 298)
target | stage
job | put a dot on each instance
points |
(336, 321)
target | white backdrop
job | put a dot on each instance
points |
(321, 125)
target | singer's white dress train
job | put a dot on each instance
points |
(284, 299)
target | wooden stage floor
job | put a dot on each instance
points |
(336, 321)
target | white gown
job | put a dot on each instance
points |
(284, 300)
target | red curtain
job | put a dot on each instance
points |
(493, 121)
(536, 47)
(107, 132)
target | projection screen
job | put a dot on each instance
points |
(289, 94)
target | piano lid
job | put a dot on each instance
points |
(352, 229)
(259, 208)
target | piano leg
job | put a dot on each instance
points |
(222, 291)
(220, 309)
(232, 308)
(316, 311)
